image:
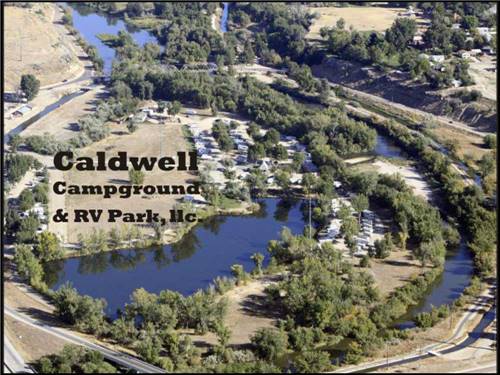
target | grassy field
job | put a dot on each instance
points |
(34, 45)
(360, 18)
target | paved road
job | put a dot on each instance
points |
(114, 356)
(12, 360)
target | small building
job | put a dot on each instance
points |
(455, 26)
(22, 110)
(264, 166)
(456, 83)
(475, 52)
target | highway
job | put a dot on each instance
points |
(121, 359)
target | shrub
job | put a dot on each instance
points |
(269, 343)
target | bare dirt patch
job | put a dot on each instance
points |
(33, 44)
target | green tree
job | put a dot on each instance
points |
(269, 343)
(360, 203)
(15, 141)
(312, 362)
(239, 273)
(174, 107)
(26, 200)
(401, 32)
(257, 258)
(136, 177)
(48, 247)
(30, 85)
(384, 247)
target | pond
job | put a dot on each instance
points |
(90, 24)
(207, 251)
(387, 148)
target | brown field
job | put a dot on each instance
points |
(62, 121)
(467, 144)
(35, 44)
(483, 72)
(145, 142)
(360, 18)
(394, 271)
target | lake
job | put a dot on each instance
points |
(207, 251)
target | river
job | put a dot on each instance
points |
(223, 20)
(90, 24)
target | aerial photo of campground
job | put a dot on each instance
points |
(249, 187)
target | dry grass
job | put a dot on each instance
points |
(33, 44)
(467, 144)
(483, 72)
(145, 142)
(30, 342)
(394, 271)
(360, 18)
(62, 121)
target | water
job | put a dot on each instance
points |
(387, 148)
(207, 251)
(458, 269)
(90, 24)
(223, 20)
